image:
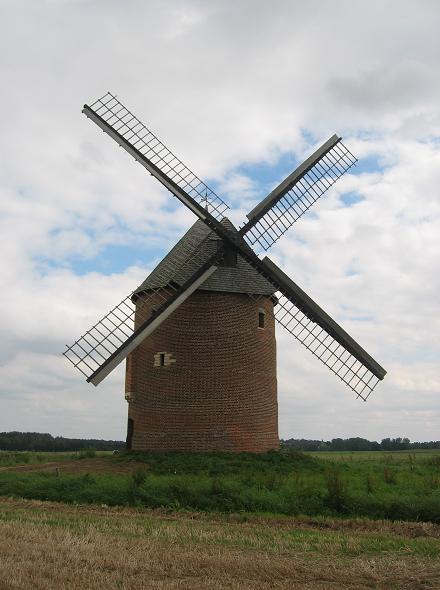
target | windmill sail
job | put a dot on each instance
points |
(269, 220)
(131, 134)
(326, 348)
(324, 337)
(97, 352)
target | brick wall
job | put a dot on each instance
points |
(216, 388)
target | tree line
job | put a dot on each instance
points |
(36, 441)
(359, 444)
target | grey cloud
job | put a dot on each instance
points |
(407, 85)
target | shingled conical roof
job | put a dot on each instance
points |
(191, 251)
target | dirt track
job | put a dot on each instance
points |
(81, 466)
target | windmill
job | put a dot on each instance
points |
(198, 334)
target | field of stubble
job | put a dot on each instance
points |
(46, 545)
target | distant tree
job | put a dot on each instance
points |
(323, 446)
(36, 441)
(433, 444)
(385, 444)
(395, 444)
(359, 444)
(338, 444)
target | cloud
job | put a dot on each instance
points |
(381, 89)
(231, 87)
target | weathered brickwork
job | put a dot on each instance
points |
(220, 393)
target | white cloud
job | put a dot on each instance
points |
(225, 84)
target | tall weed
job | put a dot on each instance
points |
(336, 489)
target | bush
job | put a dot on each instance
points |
(336, 490)
(389, 476)
(139, 476)
(87, 453)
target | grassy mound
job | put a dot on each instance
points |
(275, 482)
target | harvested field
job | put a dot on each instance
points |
(68, 547)
(79, 467)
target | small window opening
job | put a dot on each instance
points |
(261, 319)
(162, 359)
(229, 255)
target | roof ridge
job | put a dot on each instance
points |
(193, 248)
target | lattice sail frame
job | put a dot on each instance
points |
(131, 129)
(325, 348)
(298, 199)
(112, 331)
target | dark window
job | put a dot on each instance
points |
(162, 359)
(261, 319)
(229, 256)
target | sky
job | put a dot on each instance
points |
(242, 91)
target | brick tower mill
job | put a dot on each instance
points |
(198, 335)
(205, 379)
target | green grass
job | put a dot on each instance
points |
(397, 488)
(377, 456)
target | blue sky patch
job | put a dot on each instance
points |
(265, 176)
(111, 259)
(116, 258)
(350, 199)
(369, 164)
(362, 318)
